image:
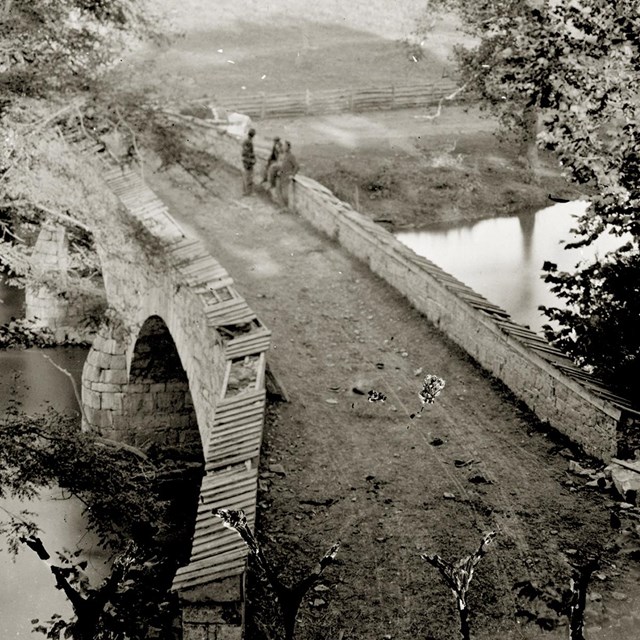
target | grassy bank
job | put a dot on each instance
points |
(416, 172)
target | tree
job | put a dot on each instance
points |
(289, 597)
(561, 75)
(506, 67)
(63, 46)
(138, 503)
(59, 84)
(458, 575)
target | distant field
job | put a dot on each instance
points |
(387, 18)
(229, 48)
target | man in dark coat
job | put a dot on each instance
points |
(248, 162)
(287, 168)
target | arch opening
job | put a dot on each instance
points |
(161, 420)
(158, 403)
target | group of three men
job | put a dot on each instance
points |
(280, 168)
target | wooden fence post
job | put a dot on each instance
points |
(393, 96)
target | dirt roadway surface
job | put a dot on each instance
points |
(368, 475)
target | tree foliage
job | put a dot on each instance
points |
(563, 75)
(131, 504)
(63, 45)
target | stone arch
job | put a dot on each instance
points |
(157, 405)
(169, 296)
(136, 388)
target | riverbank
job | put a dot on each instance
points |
(412, 169)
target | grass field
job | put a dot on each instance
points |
(228, 48)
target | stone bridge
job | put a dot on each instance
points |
(179, 358)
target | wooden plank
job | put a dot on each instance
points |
(238, 416)
(228, 498)
(232, 491)
(243, 436)
(241, 315)
(261, 367)
(229, 403)
(239, 453)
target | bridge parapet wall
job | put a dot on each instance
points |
(538, 374)
(533, 370)
(166, 365)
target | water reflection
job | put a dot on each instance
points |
(27, 590)
(502, 258)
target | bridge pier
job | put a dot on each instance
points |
(135, 388)
(51, 306)
(104, 383)
(214, 611)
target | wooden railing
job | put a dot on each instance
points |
(337, 100)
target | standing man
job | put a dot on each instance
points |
(270, 167)
(288, 167)
(248, 162)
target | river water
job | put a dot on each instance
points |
(502, 258)
(27, 588)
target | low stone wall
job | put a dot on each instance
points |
(535, 372)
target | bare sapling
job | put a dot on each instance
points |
(458, 576)
(579, 585)
(289, 598)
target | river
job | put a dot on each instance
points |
(502, 258)
(27, 588)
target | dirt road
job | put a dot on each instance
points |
(387, 486)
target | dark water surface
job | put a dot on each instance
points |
(27, 587)
(502, 258)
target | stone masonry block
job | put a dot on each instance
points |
(138, 387)
(202, 614)
(113, 401)
(91, 399)
(133, 402)
(228, 632)
(91, 372)
(114, 376)
(170, 401)
(92, 414)
(196, 632)
(99, 418)
(93, 357)
(119, 363)
(104, 387)
(111, 346)
(104, 360)
(158, 387)
(225, 590)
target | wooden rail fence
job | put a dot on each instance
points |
(389, 97)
